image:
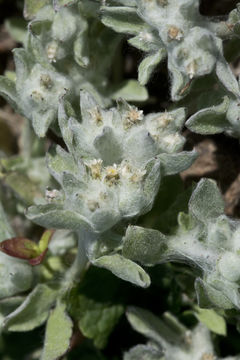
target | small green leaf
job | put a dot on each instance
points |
(211, 120)
(8, 91)
(209, 297)
(148, 65)
(56, 217)
(206, 201)
(175, 163)
(33, 312)
(96, 320)
(227, 77)
(185, 221)
(58, 334)
(212, 320)
(7, 306)
(150, 325)
(151, 42)
(180, 84)
(124, 268)
(122, 19)
(42, 120)
(45, 239)
(144, 245)
(130, 90)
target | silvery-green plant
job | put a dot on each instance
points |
(61, 55)
(111, 164)
(220, 117)
(112, 170)
(176, 30)
(169, 339)
(205, 239)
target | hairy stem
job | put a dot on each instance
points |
(76, 271)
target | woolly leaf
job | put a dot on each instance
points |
(33, 312)
(211, 120)
(148, 65)
(124, 268)
(206, 202)
(175, 163)
(209, 297)
(8, 91)
(58, 334)
(144, 245)
(227, 77)
(122, 19)
(130, 90)
(56, 217)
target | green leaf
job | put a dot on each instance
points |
(148, 65)
(152, 182)
(7, 306)
(148, 43)
(180, 84)
(206, 201)
(8, 91)
(227, 77)
(124, 268)
(130, 90)
(175, 163)
(150, 325)
(212, 320)
(54, 216)
(185, 221)
(122, 19)
(144, 245)
(209, 297)
(96, 320)
(15, 276)
(42, 120)
(33, 312)
(58, 334)
(97, 312)
(211, 120)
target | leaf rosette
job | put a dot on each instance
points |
(114, 164)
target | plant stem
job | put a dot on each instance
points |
(76, 271)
